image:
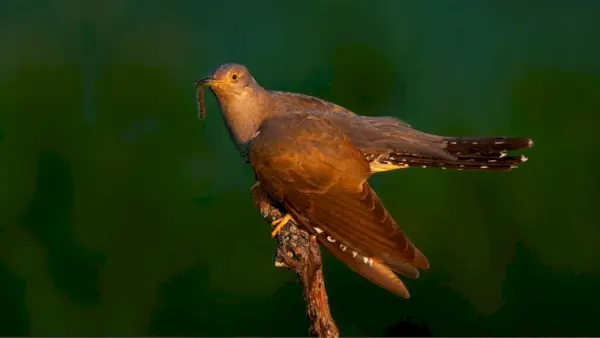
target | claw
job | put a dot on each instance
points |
(279, 223)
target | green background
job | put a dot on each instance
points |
(122, 214)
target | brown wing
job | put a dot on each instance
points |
(388, 135)
(372, 135)
(316, 173)
(367, 267)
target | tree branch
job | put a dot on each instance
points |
(299, 252)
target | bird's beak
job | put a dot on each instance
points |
(200, 84)
(205, 81)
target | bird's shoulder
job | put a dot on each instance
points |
(297, 101)
(306, 147)
(298, 132)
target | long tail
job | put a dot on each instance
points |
(471, 153)
(464, 146)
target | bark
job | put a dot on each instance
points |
(299, 252)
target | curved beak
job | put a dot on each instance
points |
(205, 81)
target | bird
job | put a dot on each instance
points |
(314, 158)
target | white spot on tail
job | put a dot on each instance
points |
(502, 154)
(523, 158)
(461, 166)
(331, 239)
(475, 142)
(491, 161)
(444, 168)
(530, 143)
(343, 247)
(318, 230)
(366, 260)
(484, 167)
(499, 142)
(354, 254)
(452, 142)
(424, 166)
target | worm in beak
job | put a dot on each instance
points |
(200, 84)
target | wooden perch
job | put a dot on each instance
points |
(299, 252)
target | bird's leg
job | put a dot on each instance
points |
(256, 191)
(279, 223)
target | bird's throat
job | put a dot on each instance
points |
(243, 115)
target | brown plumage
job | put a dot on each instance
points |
(315, 171)
(315, 157)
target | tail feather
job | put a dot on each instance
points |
(485, 145)
(470, 153)
(497, 163)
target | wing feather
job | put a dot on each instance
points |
(313, 169)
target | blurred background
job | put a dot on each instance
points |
(122, 214)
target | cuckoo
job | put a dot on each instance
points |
(315, 157)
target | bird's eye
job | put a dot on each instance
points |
(234, 76)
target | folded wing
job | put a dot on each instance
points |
(313, 169)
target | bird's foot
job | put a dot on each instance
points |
(279, 223)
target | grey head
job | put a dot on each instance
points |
(228, 82)
(242, 100)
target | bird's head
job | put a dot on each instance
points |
(228, 81)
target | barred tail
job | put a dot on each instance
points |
(464, 146)
(471, 153)
(497, 163)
